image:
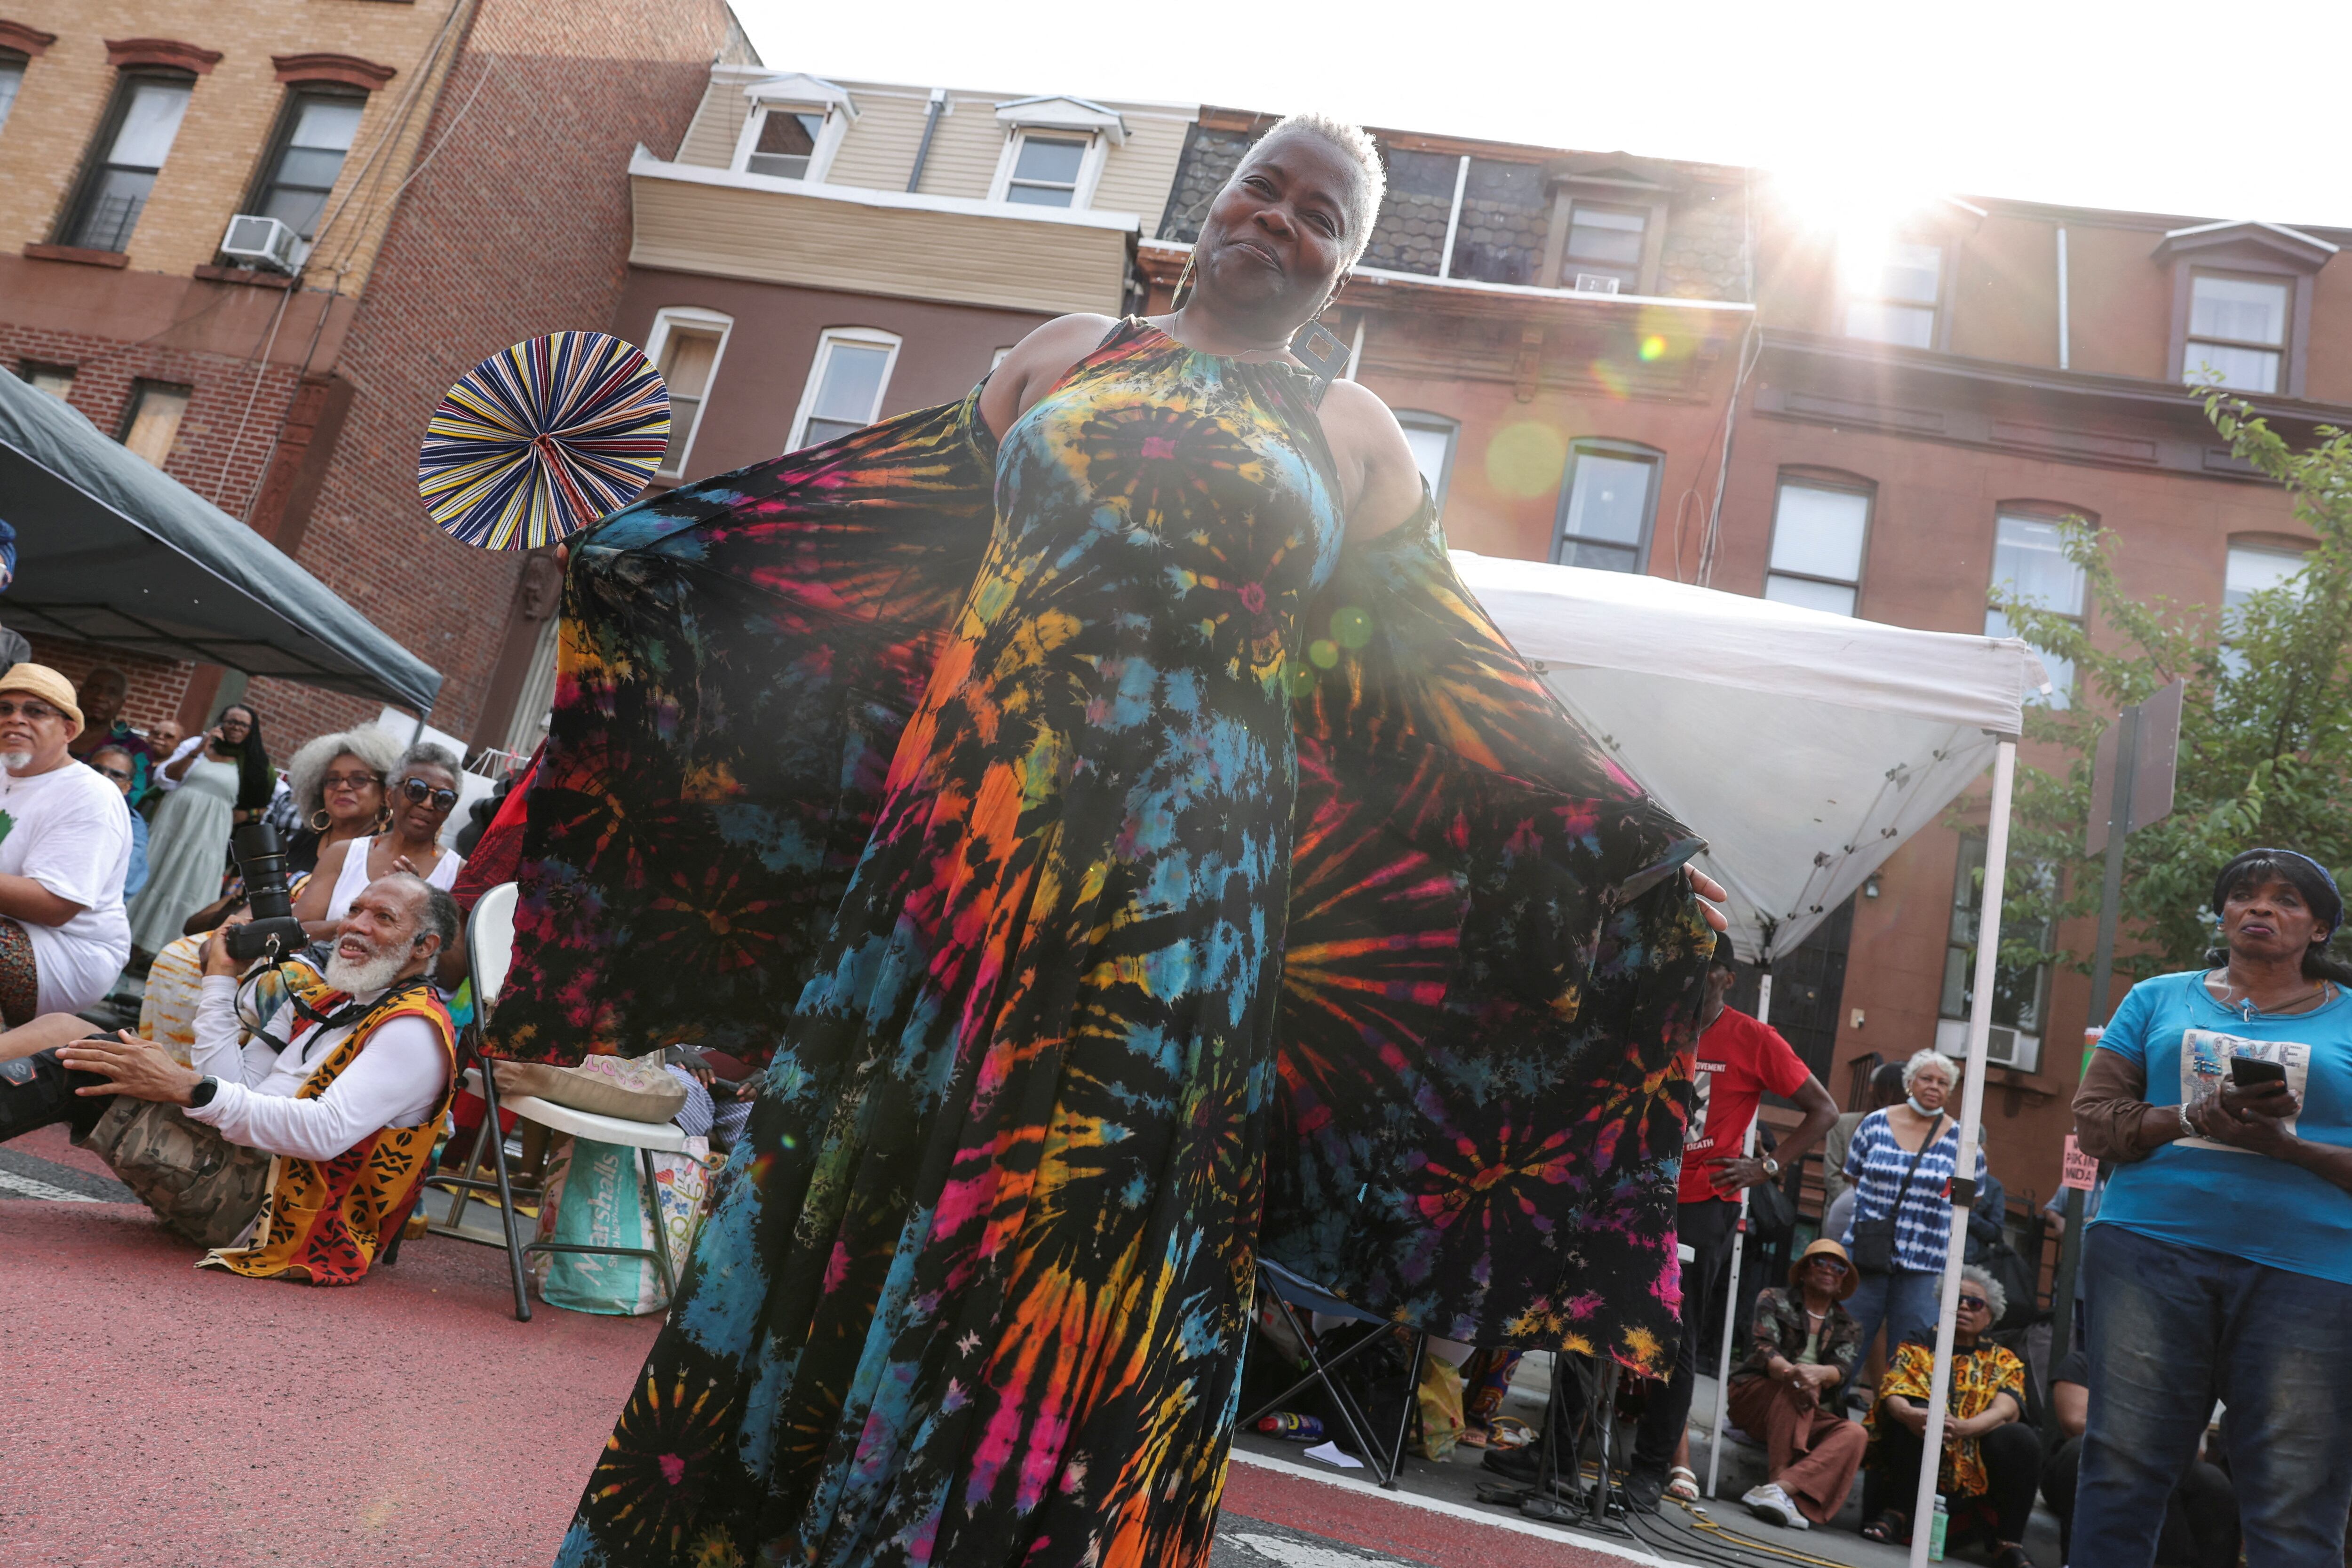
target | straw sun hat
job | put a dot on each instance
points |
(1825, 1246)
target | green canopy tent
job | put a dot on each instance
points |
(111, 549)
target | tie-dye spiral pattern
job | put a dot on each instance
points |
(977, 1294)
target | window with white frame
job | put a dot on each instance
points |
(1048, 169)
(2236, 331)
(1891, 295)
(12, 77)
(2028, 562)
(784, 142)
(845, 384)
(1431, 438)
(686, 346)
(2254, 567)
(1819, 531)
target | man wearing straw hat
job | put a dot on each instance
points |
(1803, 1345)
(65, 844)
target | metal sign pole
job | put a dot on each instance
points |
(1738, 1247)
(2004, 779)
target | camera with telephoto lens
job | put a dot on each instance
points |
(273, 932)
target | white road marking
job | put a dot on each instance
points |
(19, 1186)
(1299, 1555)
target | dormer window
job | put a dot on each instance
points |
(794, 127)
(2241, 304)
(1891, 296)
(2237, 330)
(785, 142)
(1054, 150)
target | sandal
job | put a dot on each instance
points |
(1889, 1529)
(1682, 1484)
(2011, 1555)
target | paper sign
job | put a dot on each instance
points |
(2082, 1170)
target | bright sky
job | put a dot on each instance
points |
(2117, 103)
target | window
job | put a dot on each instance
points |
(12, 77)
(1891, 295)
(1500, 231)
(1431, 438)
(2254, 567)
(314, 137)
(845, 385)
(2019, 995)
(1607, 505)
(1818, 533)
(2029, 560)
(1604, 247)
(1046, 170)
(786, 143)
(57, 380)
(685, 347)
(134, 142)
(2236, 331)
(151, 423)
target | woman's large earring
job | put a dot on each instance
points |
(1181, 293)
(320, 821)
(383, 817)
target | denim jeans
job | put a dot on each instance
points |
(2174, 1327)
(1904, 1301)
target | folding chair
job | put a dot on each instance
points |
(1290, 1293)
(489, 943)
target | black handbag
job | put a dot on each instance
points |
(1771, 1212)
(1873, 1239)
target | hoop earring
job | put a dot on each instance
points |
(382, 819)
(320, 821)
(1178, 297)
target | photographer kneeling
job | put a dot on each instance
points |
(346, 1086)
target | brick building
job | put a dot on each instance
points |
(1572, 339)
(449, 177)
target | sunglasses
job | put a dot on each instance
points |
(419, 793)
(1976, 1303)
(33, 710)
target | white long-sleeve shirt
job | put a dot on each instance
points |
(396, 1081)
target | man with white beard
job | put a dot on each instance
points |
(346, 1084)
(65, 844)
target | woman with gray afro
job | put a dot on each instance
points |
(337, 783)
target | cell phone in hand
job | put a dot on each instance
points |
(2252, 1072)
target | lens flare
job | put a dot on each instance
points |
(1654, 349)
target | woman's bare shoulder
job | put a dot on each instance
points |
(1376, 463)
(1036, 363)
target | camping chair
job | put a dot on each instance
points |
(1290, 1293)
(489, 943)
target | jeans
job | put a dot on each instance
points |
(1705, 1228)
(1904, 1301)
(2201, 1522)
(2174, 1327)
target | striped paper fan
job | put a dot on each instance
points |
(537, 443)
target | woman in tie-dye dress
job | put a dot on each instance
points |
(1040, 794)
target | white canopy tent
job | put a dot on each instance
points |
(1806, 747)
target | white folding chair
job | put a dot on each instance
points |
(489, 943)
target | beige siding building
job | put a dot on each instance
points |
(821, 253)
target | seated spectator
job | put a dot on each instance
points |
(1991, 1460)
(350, 1105)
(103, 691)
(2201, 1518)
(1802, 1346)
(65, 845)
(338, 782)
(117, 767)
(423, 791)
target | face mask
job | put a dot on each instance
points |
(1919, 1110)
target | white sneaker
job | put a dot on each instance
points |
(1771, 1504)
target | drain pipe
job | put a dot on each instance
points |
(923, 148)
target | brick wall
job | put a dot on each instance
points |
(156, 685)
(520, 225)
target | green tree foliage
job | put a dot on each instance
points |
(2265, 729)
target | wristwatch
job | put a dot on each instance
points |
(202, 1095)
(1772, 1168)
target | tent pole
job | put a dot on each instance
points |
(1739, 1247)
(417, 736)
(2004, 778)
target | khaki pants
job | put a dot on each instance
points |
(1812, 1452)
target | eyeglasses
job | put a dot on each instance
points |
(120, 776)
(33, 710)
(353, 782)
(1976, 1303)
(418, 793)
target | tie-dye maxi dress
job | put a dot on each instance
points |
(1003, 815)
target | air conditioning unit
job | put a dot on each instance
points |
(265, 240)
(1595, 283)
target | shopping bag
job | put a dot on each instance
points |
(593, 1199)
(1441, 1408)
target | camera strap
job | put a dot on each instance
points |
(344, 1009)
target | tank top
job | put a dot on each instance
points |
(354, 876)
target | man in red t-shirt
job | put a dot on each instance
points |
(1737, 1058)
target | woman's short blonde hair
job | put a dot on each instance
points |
(1357, 145)
(1926, 1058)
